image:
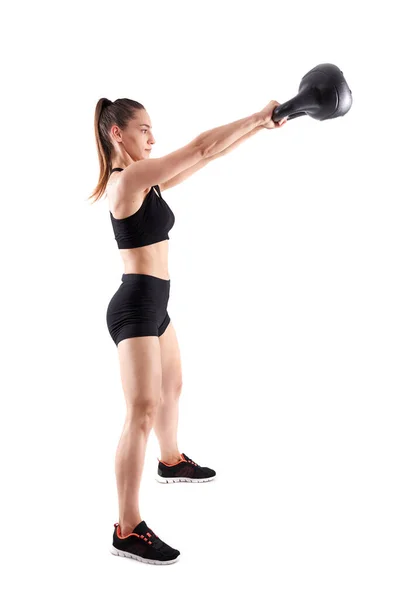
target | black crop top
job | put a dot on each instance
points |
(148, 225)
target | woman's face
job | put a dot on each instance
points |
(137, 139)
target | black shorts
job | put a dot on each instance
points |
(138, 307)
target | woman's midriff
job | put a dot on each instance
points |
(149, 260)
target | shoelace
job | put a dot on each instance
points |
(157, 543)
(190, 460)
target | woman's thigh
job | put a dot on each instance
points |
(141, 372)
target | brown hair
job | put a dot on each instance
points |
(109, 113)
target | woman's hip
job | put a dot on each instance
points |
(140, 295)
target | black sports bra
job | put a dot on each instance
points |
(148, 225)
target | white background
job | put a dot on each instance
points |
(285, 295)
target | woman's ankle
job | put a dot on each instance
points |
(127, 528)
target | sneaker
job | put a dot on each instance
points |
(143, 545)
(184, 470)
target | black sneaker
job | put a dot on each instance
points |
(184, 470)
(143, 545)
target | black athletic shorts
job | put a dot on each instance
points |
(138, 307)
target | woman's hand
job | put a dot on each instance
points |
(266, 114)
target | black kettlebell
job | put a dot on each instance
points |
(323, 94)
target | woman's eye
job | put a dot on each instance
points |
(144, 130)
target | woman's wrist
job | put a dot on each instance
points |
(259, 120)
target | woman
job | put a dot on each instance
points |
(137, 317)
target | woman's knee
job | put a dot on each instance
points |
(172, 390)
(142, 410)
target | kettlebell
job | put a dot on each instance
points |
(323, 94)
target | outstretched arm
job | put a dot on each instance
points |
(202, 163)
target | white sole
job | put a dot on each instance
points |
(117, 552)
(185, 479)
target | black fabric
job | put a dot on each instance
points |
(138, 307)
(148, 225)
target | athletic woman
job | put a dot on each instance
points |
(137, 316)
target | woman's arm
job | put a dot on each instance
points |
(218, 139)
(202, 163)
(236, 144)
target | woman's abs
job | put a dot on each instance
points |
(150, 260)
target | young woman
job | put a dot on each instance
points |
(137, 317)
